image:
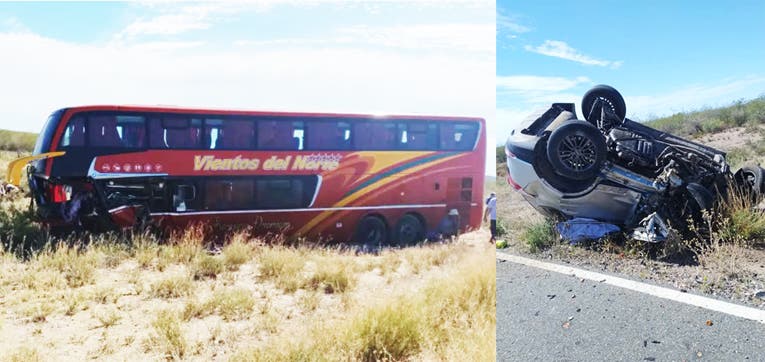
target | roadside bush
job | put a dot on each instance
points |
(539, 235)
(18, 231)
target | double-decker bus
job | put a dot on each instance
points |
(370, 179)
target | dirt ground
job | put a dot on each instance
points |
(115, 316)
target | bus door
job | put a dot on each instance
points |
(459, 196)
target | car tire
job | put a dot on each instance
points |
(409, 230)
(607, 93)
(371, 231)
(749, 179)
(698, 198)
(576, 150)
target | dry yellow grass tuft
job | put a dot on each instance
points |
(283, 266)
(172, 287)
(237, 252)
(76, 266)
(167, 336)
(334, 274)
(24, 354)
(206, 266)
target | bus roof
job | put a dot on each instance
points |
(241, 112)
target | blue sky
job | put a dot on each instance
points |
(394, 57)
(663, 56)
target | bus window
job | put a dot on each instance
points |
(458, 136)
(116, 131)
(324, 135)
(132, 131)
(175, 132)
(74, 134)
(280, 193)
(374, 136)
(233, 194)
(231, 134)
(280, 135)
(417, 136)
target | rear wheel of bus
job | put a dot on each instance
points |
(371, 231)
(409, 230)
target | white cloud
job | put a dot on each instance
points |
(456, 37)
(174, 20)
(559, 49)
(505, 22)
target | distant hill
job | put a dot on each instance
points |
(712, 120)
(17, 141)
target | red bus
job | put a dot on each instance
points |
(371, 179)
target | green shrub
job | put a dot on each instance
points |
(539, 235)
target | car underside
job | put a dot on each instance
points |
(610, 168)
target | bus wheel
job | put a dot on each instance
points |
(409, 230)
(371, 231)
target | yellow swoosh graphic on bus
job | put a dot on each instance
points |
(380, 161)
(369, 188)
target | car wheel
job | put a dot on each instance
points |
(611, 97)
(698, 199)
(409, 230)
(576, 150)
(371, 231)
(749, 179)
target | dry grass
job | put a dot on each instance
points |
(332, 275)
(24, 354)
(150, 300)
(206, 266)
(232, 304)
(77, 267)
(167, 336)
(452, 317)
(283, 266)
(172, 287)
(237, 252)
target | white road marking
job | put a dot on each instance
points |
(656, 291)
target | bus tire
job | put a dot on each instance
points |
(371, 230)
(409, 230)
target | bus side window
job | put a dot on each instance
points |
(417, 136)
(458, 136)
(74, 134)
(328, 135)
(156, 133)
(131, 131)
(182, 133)
(103, 132)
(231, 134)
(280, 135)
(374, 136)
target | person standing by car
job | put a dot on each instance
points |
(491, 213)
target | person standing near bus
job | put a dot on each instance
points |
(491, 212)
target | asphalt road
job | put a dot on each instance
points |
(543, 315)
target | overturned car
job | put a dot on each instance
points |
(612, 169)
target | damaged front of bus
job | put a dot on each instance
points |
(65, 196)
